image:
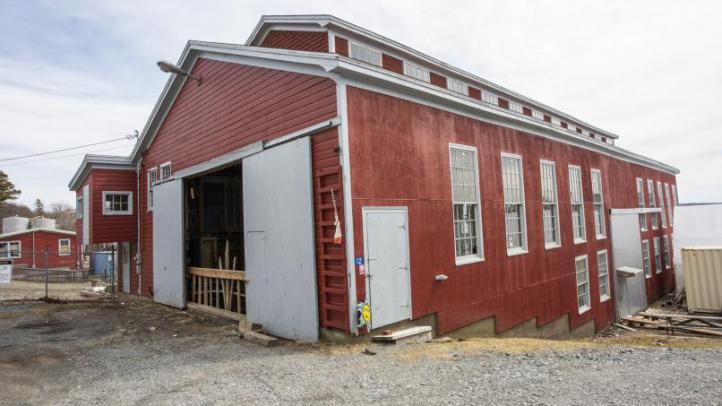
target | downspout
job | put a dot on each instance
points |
(138, 259)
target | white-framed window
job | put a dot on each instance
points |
(514, 207)
(537, 114)
(674, 195)
(489, 97)
(652, 203)
(457, 86)
(514, 106)
(152, 175)
(640, 203)
(670, 209)
(603, 272)
(364, 54)
(579, 231)
(663, 213)
(571, 128)
(468, 241)
(667, 259)
(416, 71)
(166, 171)
(600, 227)
(117, 203)
(11, 249)
(550, 204)
(556, 121)
(79, 207)
(584, 302)
(645, 259)
(657, 255)
(64, 247)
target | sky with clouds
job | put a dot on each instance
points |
(79, 72)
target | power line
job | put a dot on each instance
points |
(62, 156)
(127, 137)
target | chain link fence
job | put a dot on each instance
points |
(57, 276)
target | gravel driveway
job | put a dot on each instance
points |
(139, 353)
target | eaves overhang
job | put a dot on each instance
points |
(91, 162)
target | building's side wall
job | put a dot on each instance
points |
(235, 106)
(316, 41)
(44, 241)
(330, 255)
(111, 228)
(400, 156)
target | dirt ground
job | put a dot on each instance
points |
(142, 353)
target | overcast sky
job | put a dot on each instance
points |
(76, 72)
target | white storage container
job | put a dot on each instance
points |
(13, 224)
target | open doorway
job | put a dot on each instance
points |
(214, 243)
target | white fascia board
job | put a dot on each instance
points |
(36, 230)
(91, 162)
(267, 21)
(393, 84)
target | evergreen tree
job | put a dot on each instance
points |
(7, 189)
(39, 208)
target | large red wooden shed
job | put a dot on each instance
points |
(321, 167)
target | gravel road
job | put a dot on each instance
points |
(140, 353)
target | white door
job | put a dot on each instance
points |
(630, 291)
(388, 274)
(168, 269)
(125, 253)
(281, 293)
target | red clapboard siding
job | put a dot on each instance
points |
(44, 241)
(393, 64)
(407, 164)
(330, 257)
(437, 79)
(108, 229)
(235, 106)
(341, 46)
(316, 41)
(474, 93)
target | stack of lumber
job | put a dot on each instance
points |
(671, 322)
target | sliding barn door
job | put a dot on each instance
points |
(168, 269)
(278, 222)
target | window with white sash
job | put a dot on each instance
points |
(457, 86)
(465, 197)
(670, 208)
(603, 272)
(152, 180)
(489, 97)
(64, 247)
(514, 207)
(598, 202)
(166, 171)
(663, 213)
(11, 249)
(583, 297)
(652, 203)
(645, 259)
(550, 204)
(416, 71)
(657, 255)
(640, 203)
(79, 207)
(364, 54)
(514, 106)
(667, 259)
(577, 200)
(674, 195)
(117, 203)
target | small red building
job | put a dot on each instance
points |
(29, 248)
(321, 167)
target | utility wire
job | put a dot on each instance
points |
(127, 137)
(62, 156)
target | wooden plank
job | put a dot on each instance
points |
(674, 315)
(219, 274)
(216, 312)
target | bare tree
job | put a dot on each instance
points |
(64, 215)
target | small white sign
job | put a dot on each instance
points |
(6, 272)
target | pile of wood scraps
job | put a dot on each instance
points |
(676, 322)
